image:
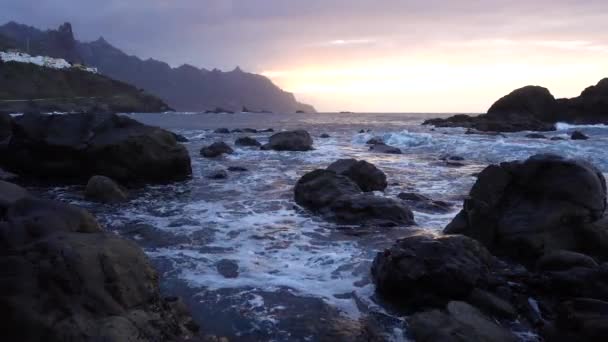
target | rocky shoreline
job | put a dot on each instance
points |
(533, 108)
(526, 255)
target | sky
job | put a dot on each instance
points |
(358, 55)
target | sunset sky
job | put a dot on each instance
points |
(380, 55)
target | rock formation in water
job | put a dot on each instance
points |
(533, 108)
(78, 146)
(66, 279)
(185, 88)
(530, 245)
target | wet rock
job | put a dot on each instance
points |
(247, 141)
(361, 131)
(218, 174)
(557, 138)
(222, 131)
(578, 135)
(536, 136)
(237, 169)
(383, 148)
(216, 149)
(371, 210)
(582, 319)
(105, 190)
(228, 268)
(492, 305)
(101, 286)
(79, 146)
(459, 322)
(564, 260)
(9, 194)
(250, 130)
(179, 138)
(426, 271)
(367, 176)
(471, 131)
(375, 141)
(316, 190)
(324, 136)
(493, 124)
(338, 198)
(298, 140)
(530, 208)
(423, 203)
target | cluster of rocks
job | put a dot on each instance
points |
(65, 279)
(341, 194)
(533, 108)
(298, 140)
(529, 247)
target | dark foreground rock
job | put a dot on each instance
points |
(216, 149)
(340, 199)
(526, 209)
(105, 190)
(367, 176)
(78, 146)
(65, 279)
(459, 322)
(298, 140)
(547, 213)
(428, 271)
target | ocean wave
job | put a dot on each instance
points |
(562, 126)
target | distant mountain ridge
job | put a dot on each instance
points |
(185, 88)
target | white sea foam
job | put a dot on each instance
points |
(562, 126)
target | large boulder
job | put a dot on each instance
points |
(247, 141)
(78, 146)
(530, 101)
(367, 176)
(298, 140)
(64, 279)
(384, 148)
(340, 199)
(103, 189)
(591, 107)
(527, 209)
(425, 271)
(10, 193)
(459, 322)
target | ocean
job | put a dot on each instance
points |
(292, 275)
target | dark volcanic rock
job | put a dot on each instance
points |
(367, 176)
(180, 138)
(324, 136)
(6, 130)
(222, 131)
(423, 203)
(298, 140)
(582, 319)
(527, 209)
(493, 124)
(530, 101)
(591, 107)
(9, 194)
(78, 146)
(105, 190)
(426, 271)
(64, 279)
(216, 149)
(247, 141)
(578, 135)
(383, 148)
(228, 268)
(338, 198)
(460, 322)
(237, 169)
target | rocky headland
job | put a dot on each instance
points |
(534, 108)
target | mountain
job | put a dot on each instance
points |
(27, 87)
(186, 88)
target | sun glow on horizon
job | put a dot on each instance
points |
(464, 77)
